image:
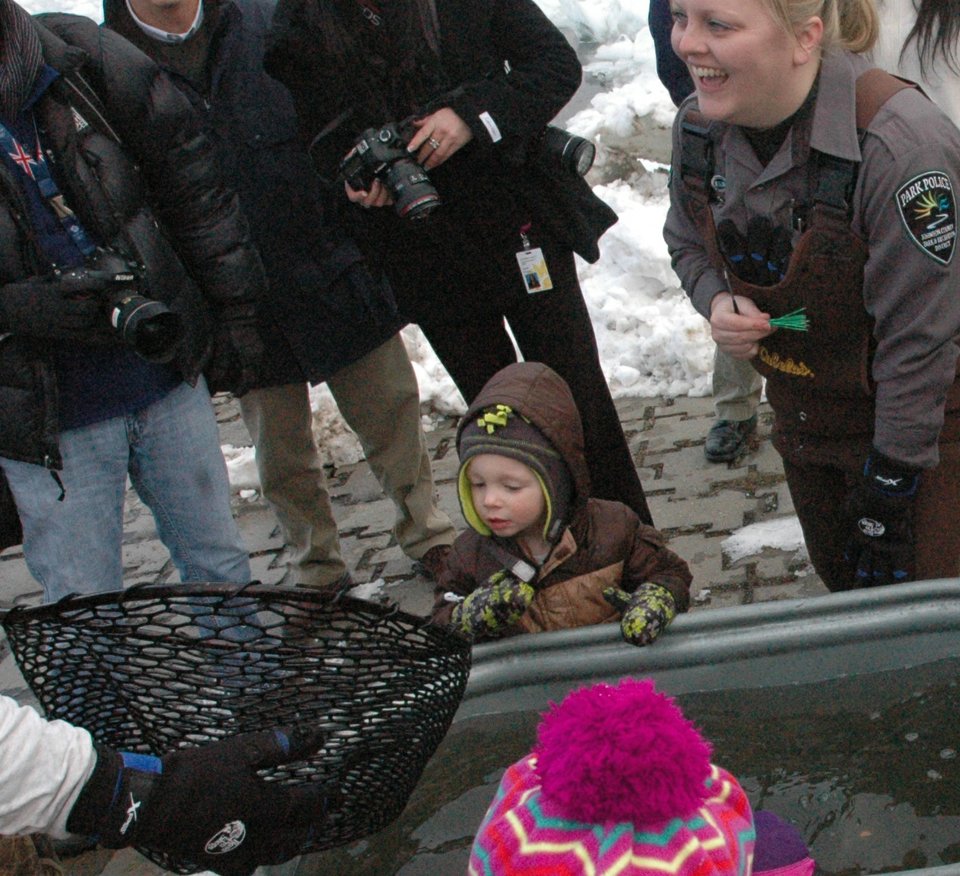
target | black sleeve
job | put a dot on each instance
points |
(672, 71)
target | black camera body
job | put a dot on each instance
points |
(381, 153)
(148, 326)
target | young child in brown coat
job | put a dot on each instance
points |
(540, 553)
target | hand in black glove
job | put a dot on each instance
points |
(881, 547)
(760, 258)
(46, 307)
(204, 805)
(237, 356)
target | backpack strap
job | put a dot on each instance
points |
(874, 88)
(837, 177)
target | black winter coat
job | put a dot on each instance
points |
(324, 307)
(488, 192)
(156, 196)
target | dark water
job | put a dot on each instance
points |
(866, 767)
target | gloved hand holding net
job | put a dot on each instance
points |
(205, 804)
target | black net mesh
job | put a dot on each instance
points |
(159, 667)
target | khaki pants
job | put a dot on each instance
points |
(379, 399)
(736, 387)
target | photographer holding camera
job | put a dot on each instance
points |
(474, 211)
(123, 262)
(325, 316)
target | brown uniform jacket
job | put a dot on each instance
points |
(912, 274)
(604, 545)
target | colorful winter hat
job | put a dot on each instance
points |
(500, 430)
(619, 782)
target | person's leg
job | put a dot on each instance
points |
(72, 537)
(177, 468)
(554, 327)
(379, 399)
(471, 351)
(937, 516)
(736, 394)
(819, 494)
(279, 420)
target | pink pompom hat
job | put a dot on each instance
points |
(618, 782)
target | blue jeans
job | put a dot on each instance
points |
(171, 451)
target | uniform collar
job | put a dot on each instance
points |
(834, 129)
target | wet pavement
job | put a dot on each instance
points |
(696, 504)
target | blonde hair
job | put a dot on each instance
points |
(849, 24)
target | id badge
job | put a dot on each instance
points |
(533, 269)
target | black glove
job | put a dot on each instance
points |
(48, 307)
(760, 258)
(881, 547)
(205, 805)
(237, 357)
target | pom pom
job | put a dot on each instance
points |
(616, 753)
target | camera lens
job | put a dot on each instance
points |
(413, 194)
(581, 154)
(565, 151)
(150, 327)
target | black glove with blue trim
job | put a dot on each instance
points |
(205, 805)
(760, 258)
(882, 546)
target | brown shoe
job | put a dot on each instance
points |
(433, 562)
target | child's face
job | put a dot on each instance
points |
(506, 495)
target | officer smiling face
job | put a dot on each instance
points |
(747, 67)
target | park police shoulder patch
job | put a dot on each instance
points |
(929, 213)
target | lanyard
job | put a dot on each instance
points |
(35, 168)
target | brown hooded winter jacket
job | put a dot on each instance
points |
(604, 545)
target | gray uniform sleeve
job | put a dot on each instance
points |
(907, 213)
(43, 767)
(698, 277)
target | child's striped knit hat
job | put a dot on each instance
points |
(619, 782)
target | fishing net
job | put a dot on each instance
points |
(159, 667)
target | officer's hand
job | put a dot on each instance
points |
(645, 613)
(738, 329)
(46, 307)
(205, 805)
(881, 547)
(492, 609)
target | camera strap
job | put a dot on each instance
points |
(33, 165)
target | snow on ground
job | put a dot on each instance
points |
(652, 342)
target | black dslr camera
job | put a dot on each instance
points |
(148, 326)
(382, 154)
